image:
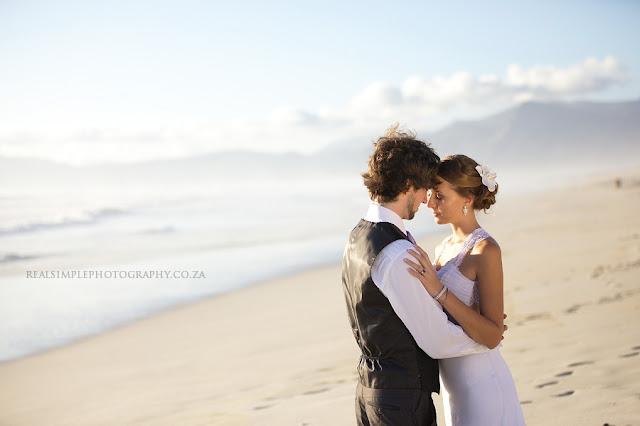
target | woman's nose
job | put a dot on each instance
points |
(430, 201)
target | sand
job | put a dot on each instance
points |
(281, 353)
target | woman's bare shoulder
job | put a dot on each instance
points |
(487, 248)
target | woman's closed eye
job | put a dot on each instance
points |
(431, 193)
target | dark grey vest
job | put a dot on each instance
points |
(391, 358)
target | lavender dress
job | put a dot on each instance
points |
(477, 389)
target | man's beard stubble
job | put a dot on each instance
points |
(410, 202)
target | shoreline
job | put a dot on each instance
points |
(290, 271)
(161, 311)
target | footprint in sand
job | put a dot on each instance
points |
(314, 391)
(324, 369)
(564, 373)
(629, 355)
(635, 348)
(624, 266)
(536, 316)
(579, 363)
(608, 299)
(597, 271)
(262, 407)
(551, 383)
(528, 401)
(330, 382)
(566, 393)
(573, 309)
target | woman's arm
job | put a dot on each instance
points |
(485, 327)
(490, 286)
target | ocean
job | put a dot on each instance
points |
(121, 246)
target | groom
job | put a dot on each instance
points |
(400, 329)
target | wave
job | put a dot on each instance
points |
(155, 231)
(16, 257)
(87, 218)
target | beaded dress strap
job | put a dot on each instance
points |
(478, 234)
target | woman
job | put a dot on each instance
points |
(467, 274)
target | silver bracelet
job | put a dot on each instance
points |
(443, 291)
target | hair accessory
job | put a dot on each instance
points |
(488, 177)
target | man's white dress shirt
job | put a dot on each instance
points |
(420, 313)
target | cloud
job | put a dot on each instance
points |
(441, 93)
(418, 102)
(577, 80)
(293, 117)
(434, 101)
(375, 96)
(439, 99)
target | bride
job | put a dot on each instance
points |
(467, 274)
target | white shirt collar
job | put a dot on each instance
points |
(377, 213)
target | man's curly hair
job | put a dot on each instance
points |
(399, 161)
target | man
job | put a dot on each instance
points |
(400, 329)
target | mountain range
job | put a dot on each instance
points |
(528, 135)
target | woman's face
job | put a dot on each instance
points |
(446, 203)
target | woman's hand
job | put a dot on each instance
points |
(423, 270)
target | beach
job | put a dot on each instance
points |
(281, 352)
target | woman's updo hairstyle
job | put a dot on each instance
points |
(460, 171)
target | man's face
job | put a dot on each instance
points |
(415, 197)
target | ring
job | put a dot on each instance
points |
(423, 271)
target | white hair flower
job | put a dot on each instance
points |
(488, 177)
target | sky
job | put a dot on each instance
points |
(122, 81)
